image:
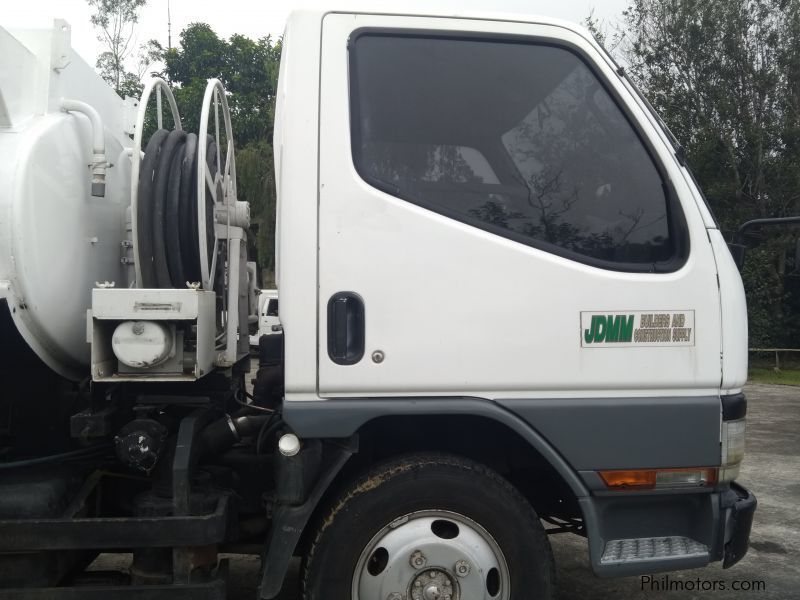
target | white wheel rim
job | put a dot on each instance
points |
(430, 555)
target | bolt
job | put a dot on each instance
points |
(418, 583)
(462, 568)
(378, 356)
(418, 560)
(138, 328)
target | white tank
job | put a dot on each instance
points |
(56, 238)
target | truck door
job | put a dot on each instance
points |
(499, 218)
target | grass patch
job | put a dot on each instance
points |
(769, 375)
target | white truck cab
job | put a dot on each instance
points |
(513, 156)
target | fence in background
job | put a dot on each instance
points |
(777, 352)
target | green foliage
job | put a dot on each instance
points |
(763, 284)
(249, 71)
(714, 72)
(770, 376)
(256, 185)
(247, 68)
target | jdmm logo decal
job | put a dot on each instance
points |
(637, 328)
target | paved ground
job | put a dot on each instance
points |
(772, 566)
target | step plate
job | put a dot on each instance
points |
(651, 549)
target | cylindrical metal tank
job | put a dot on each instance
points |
(56, 238)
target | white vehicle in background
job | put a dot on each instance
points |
(268, 320)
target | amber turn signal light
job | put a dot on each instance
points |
(650, 479)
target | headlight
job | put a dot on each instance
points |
(733, 433)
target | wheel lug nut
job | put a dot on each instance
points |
(462, 568)
(418, 560)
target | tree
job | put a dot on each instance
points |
(116, 20)
(247, 68)
(256, 185)
(725, 77)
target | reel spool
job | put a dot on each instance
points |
(141, 227)
(166, 238)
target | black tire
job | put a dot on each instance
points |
(427, 482)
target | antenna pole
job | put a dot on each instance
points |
(169, 28)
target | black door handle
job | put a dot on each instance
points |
(346, 328)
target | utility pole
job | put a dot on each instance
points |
(169, 28)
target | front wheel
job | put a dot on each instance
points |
(429, 527)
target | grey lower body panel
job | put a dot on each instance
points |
(629, 533)
(588, 433)
(627, 433)
(343, 417)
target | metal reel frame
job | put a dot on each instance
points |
(160, 86)
(224, 180)
(222, 187)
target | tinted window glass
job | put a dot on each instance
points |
(518, 138)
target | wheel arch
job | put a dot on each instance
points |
(473, 428)
(433, 422)
(378, 423)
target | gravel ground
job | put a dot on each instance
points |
(771, 569)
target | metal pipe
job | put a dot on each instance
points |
(99, 162)
(232, 321)
(770, 222)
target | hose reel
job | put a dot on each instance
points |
(181, 187)
(187, 227)
(167, 207)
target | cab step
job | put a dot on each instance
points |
(635, 550)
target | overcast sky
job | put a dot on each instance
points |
(258, 18)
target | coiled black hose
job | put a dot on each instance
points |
(167, 229)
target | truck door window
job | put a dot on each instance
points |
(518, 138)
